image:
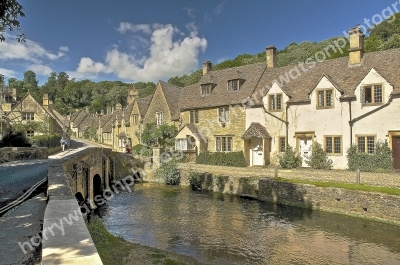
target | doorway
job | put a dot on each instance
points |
(396, 152)
(305, 147)
(256, 149)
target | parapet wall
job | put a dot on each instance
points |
(8, 154)
(66, 238)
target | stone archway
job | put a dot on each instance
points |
(97, 185)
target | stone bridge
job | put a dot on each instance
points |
(90, 173)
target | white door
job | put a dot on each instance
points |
(305, 145)
(256, 149)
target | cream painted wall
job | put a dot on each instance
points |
(323, 122)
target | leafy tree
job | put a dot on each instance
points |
(117, 94)
(10, 11)
(14, 139)
(387, 28)
(2, 83)
(145, 89)
(163, 135)
(392, 43)
(373, 44)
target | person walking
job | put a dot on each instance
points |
(62, 142)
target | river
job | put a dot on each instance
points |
(222, 229)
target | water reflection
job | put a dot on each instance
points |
(222, 229)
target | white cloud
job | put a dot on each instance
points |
(64, 48)
(8, 73)
(219, 8)
(167, 57)
(40, 69)
(125, 27)
(190, 12)
(28, 51)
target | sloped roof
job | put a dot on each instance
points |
(344, 77)
(143, 105)
(191, 96)
(107, 128)
(195, 132)
(172, 94)
(81, 115)
(256, 130)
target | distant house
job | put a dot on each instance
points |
(28, 111)
(213, 111)
(128, 126)
(164, 105)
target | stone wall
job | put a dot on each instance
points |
(377, 206)
(8, 154)
(210, 126)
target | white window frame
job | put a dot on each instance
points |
(159, 118)
(223, 114)
(223, 143)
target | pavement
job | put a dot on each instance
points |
(19, 226)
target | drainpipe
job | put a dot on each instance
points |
(351, 125)
(371, 112)
(286, 122)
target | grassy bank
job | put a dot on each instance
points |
(360, 187)
(116, 251)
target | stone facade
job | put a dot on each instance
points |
(210, 127)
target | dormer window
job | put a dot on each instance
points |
(205, 89)
(372, 94)
(233, 85)
(324, 99)
(275, 102)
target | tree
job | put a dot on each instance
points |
(387, 28)
(164, 135)
(10, 11)
(30, 81)
(14, 139)
(319, 159)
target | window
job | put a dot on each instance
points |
(333, 144)
(181, 144)
(233, 85)
(275, 102)
(223, 114)
(30, 133)
(135, 119)
(223, 144)
(205, 89)
(28, 116)
(325, 98)
(372, 94)
(159, 118)
(194, 116)
(282, 144)
(366, 144)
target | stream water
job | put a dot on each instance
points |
(222, 229)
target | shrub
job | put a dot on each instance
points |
(195, 180)
(14, 139)
(380, 160)
(231, 159)
(141, 150)
(289, 159)
(169, 172)
(47, 140)
(318, 158)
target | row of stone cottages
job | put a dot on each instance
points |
(262, 108)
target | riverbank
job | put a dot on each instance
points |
(116, 251)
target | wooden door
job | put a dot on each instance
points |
(396, 152)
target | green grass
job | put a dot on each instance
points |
(360, 187)
(112, 249)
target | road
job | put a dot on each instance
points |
(16, 177)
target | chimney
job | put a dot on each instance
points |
(14, 93)
(51, 104)
(45, 100)
(207, 66)
(271, 56)
(356, 50)
(133, 94)
(118, 106)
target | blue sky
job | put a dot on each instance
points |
(150, 40)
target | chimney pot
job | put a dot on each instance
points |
(356, 50)
(45, 100)
(271, 56)
(207, 66)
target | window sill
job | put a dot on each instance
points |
(275, 110)
(371, 104)
(330, 154)
(321, 108)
